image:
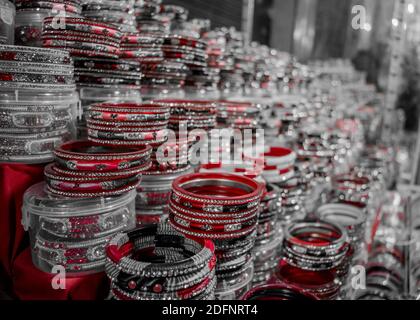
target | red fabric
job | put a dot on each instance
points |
(29, 283)
(14, 180)
(18, 276)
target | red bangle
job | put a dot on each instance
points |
(199, 213)
(201, 189)
(88, 156)
(212, 235)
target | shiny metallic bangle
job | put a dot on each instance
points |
(110, 65)
(212, 235)
(86, 156)
(40, 144)
(120, 246)
(86, 184)
(84, 25)
(132, 143)
(200, 216)
(67, 6)
(98, 174)
(110, 193)
(119, 134)
(13, 67)
(315, 238)
(34, 55)
(37, 86)
(351, 218)
(109, 118)
(89, 53)
(35, 78)
(23, 120)
(204, 292)
(94, 226)
(83, 46)
(79, 36)
(206, 225)
(149, 108)
(73, 256)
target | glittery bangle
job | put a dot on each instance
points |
(86, 156)
(36, 68)
(123, 245)
(23, 120)
(73, 256)
(33, 55)
(85, 25)
(242, 190)
(33, 147)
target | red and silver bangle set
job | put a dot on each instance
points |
(85, 169)
(83, 37)
(38, 103)
(128, 124)
(311, 254)
(155, 262)
(220, 207)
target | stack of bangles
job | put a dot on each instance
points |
(37, 104)
(30, 16)
(311, 255)
(191, 114)
(351, 189)
(268, 241)
(128, 124)
(110, 11)
(156, 262)
(107, 73)
(85, 169)
(239, 115)
(83, 37)
(224, 208)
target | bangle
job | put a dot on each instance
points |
(320, 239)
(217, 226)
(110, 65)
(84, 25)
(31, 147)
(79, 37)
(13, 67)
(73, 256)
(34, 55)
(87, 184)
(351, 218)
(169, 274)
(231, 190)
(87, 156)
(123, 245)
(32, 119)
(200, 216)
(212, 235)
(35, 78)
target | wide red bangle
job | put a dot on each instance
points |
(220, 235)
(208, 225)
(199, 214)
(212, 189)
(88, 156)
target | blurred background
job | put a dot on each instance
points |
(322, 30)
